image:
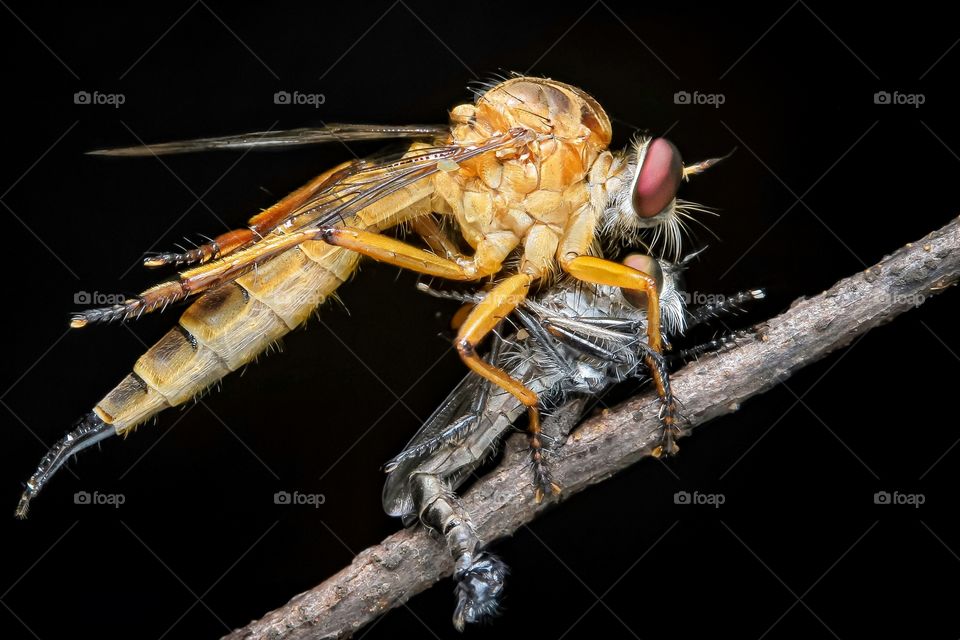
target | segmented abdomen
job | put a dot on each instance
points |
(225, 329)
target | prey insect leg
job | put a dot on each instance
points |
(542, 477)
(725, 306)
(726, 340)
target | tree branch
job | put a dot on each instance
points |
(409, 561)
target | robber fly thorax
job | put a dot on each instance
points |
(524, 172)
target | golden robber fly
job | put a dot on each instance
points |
(523, 171)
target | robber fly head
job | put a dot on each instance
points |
(648, 199)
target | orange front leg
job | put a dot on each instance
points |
(599, 271)
(497, 305)
(605, 272)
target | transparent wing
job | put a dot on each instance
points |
(452, 420)
(284, 139)
(349, 190)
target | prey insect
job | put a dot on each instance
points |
(523, 174)
(568, 344)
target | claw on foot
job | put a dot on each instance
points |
(539, 492)
(668, 445)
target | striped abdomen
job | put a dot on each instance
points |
(225, 329)
(228, 327)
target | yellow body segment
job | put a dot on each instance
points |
(524, 174)
(229, 326)
(528, 196)
(540, 196)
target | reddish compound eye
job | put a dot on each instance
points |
(658, 178)
(649, 266)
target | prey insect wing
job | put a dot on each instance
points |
(570, 342)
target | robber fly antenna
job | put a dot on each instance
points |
(699, 167)
(687, 259)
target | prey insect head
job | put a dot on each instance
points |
(649, 266)
(669, 289)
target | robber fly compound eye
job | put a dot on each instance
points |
(658, 178)
(649, 266)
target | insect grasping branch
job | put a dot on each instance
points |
(386, 575)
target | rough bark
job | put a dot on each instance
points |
(409, 561)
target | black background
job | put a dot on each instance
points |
(798, 478)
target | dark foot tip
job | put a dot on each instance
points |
(479, 590)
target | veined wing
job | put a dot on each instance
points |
(345, 193)
(283, 139)
(459, 413)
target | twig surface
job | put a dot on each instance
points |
(409, 561)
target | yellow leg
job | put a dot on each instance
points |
(427, 228)
(399, 253)
(599, 271)
(497, 305)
